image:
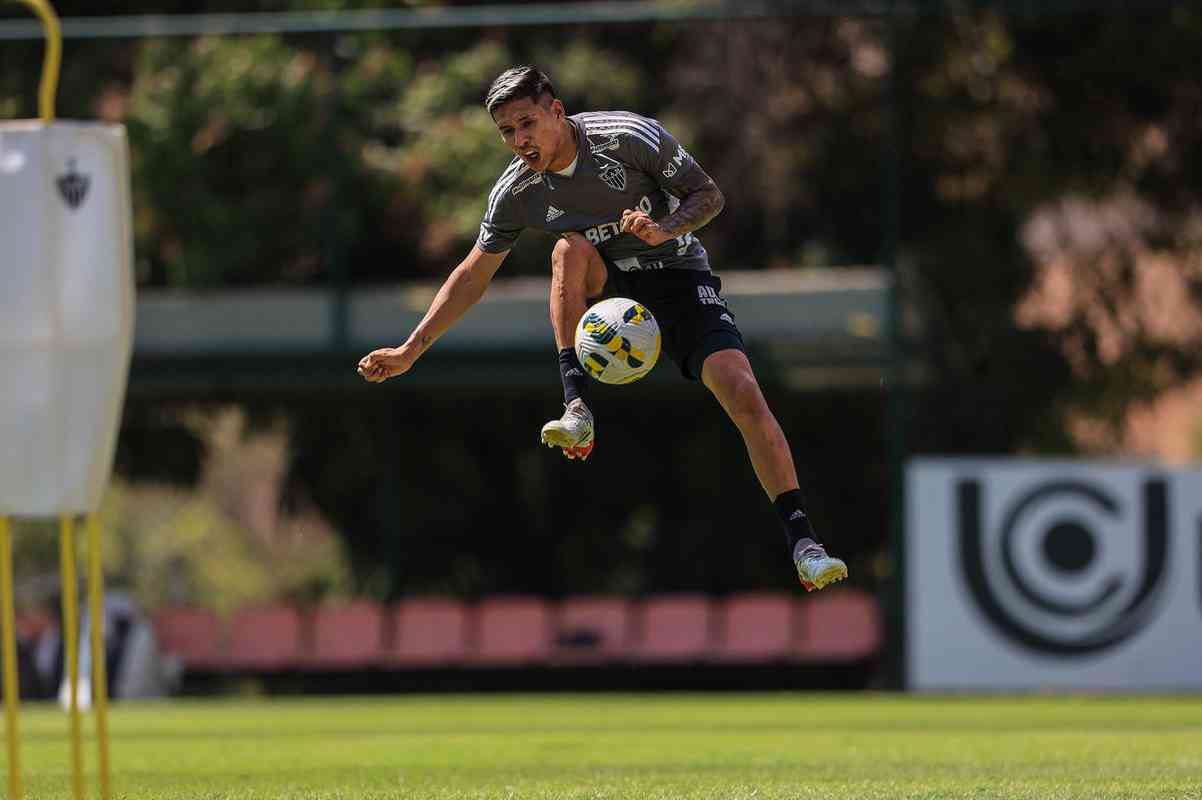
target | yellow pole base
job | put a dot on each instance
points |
(71, 647)
(12, 697)
(100, 693)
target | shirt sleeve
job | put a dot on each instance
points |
(662, 157)
(502, 221)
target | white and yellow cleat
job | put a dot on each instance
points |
(815, 568)
(573, 432)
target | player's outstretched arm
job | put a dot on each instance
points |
(462, 289)
(700, 201)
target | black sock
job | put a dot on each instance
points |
(572, 374)
(794, 519)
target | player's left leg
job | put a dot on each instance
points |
(577, 274)
(728, 375)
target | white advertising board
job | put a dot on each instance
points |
(1032, 575)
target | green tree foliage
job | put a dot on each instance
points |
(242, 151)
(168, 545)
(788, 115)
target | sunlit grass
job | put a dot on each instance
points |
(638, 747)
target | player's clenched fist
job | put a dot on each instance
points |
(642, 226)
(388, 362)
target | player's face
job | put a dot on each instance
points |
(532, 130)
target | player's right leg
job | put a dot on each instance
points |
(727, 373)
(578, 273)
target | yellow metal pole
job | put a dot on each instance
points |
(12, 698)
(47, 92)
(100, 692)
(71, 646)
(52, 60)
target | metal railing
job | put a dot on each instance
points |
(498, 15)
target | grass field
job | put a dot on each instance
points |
(639, 747)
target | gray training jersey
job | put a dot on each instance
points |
(623, 161)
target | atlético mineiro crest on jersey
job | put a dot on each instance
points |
(613, 173)
(73, 185)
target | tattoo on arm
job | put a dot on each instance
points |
(701, 202)
(423, 342)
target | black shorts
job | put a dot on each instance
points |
(693, 318)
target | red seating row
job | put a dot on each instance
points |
(750, 628)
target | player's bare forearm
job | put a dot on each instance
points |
(700, 202)
(462, 289)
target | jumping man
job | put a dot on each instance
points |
(624, 198)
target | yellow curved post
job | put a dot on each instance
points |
(100, 694)
(48, 89)
(71, 646)
(11, 697)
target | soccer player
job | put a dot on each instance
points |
(624, 198)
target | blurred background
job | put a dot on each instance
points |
(951, 228)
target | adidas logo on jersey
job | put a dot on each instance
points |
(798, 514)
(554, 213)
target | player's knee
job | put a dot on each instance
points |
(747, 401)
(729, 375)
(572, 250)
(575, 262)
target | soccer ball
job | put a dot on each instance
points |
(617, 340)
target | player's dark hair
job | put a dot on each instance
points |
(516, 83)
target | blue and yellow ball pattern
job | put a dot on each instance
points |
(617, 340)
